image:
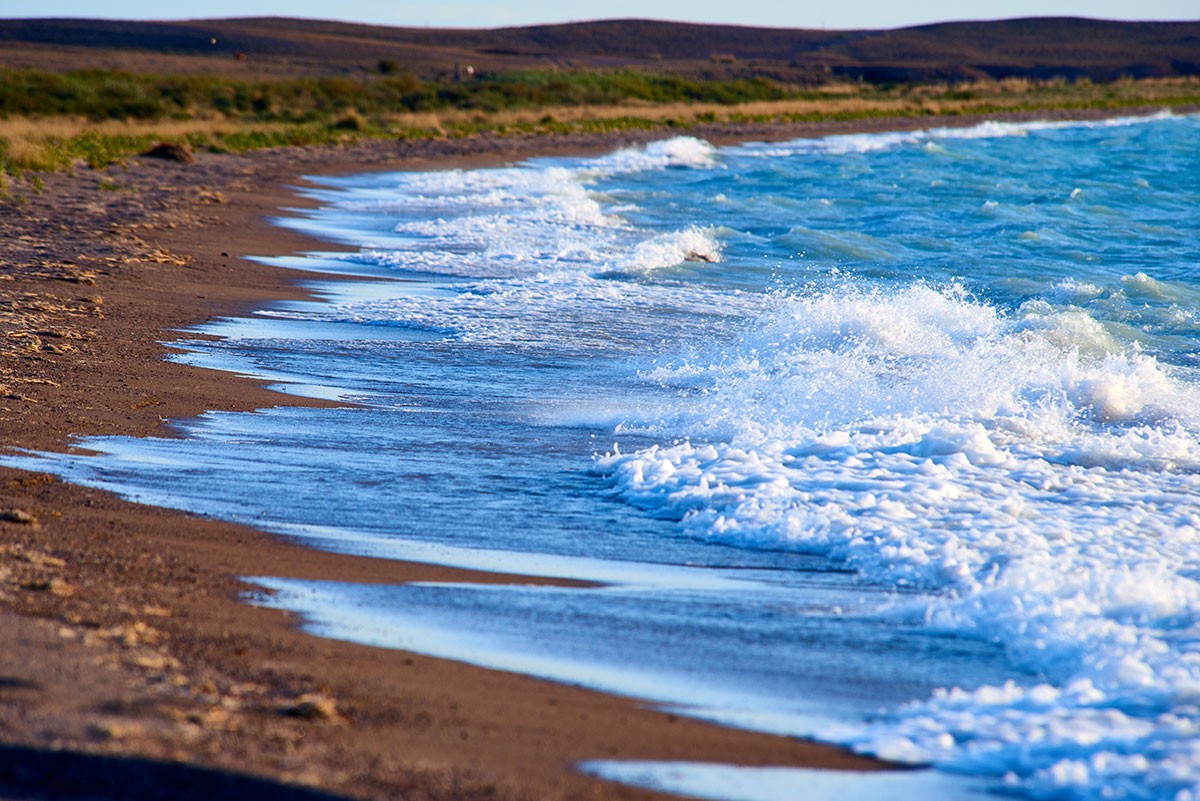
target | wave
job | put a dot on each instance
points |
(524, 220)
(668, 250)
(871, 142)
(566, 310)
(679, 151)
(1035, 477)
(1028, 474)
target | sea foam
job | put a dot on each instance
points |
(1015, 452)
(873, 142)
(1036, 479)
(511, 221)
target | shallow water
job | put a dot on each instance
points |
(892, 440)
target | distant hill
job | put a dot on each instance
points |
(1032, 48)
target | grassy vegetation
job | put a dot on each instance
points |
(100, 95)
(53, 121)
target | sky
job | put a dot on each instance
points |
(490, 13)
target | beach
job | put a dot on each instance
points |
(133, 640)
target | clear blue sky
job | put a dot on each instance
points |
(493, 13)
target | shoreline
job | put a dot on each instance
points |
(110, 658)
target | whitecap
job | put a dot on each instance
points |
(1036, 477)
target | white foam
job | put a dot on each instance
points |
(668, 250)
(1076, 290)
(1038, 478)
(867, 143)
(525, 220)
(681, 151)
(741, 783)
(567, 309)
(1034, 473)
(540, 244)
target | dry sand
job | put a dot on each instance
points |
(129, 669)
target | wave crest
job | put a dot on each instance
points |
(1040, 482)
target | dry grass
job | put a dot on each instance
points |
(26, 132)
(67, 127)
(54, 143)
(50, 143)
(837, 100)
(682, 113)
(654, 112)
(31, 141)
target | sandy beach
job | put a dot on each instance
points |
(127, 641)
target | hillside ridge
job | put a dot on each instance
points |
(1038, 48)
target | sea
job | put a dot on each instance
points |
(887, 440)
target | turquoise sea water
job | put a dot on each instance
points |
(891, 440)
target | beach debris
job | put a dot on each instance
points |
(150, 660)
(54, 586)
(310, 706)
(162, 256)
(19, 516)
(132, 634)
(58, 271)
(59, 333)
(216, 717)
(170, 151)
(29, 556)
(31, 480)
(77, 276)
(114, 729)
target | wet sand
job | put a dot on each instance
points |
(124, 637)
